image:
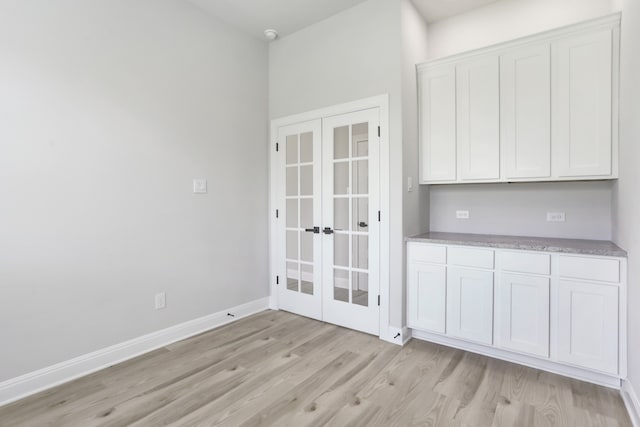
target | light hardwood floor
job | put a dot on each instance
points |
(275, 368)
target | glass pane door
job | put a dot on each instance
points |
(300, 166)
(351, 233)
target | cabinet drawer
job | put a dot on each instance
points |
(428, 253)
(469, 257)
(520, 262)
(599, 269)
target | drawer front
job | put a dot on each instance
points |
(599, 269)
(471, 257)
(427, 253)
(520, 262)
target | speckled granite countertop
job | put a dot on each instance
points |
(545, 244)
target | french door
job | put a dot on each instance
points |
(329, 186)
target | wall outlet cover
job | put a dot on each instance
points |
(160, 301)
(462, 214)
(555, 217)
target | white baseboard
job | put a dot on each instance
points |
(42, 379)
(631, 401)
(522, 359)
(398, 336)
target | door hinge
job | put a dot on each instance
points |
(277, 147)
(277, 213)
(378, 216)
(378, 300)
(378, 131)
(277, 280)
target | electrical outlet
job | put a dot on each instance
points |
(462, 214)
(555, 216)
(161, 300)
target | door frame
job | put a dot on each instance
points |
(381, 102)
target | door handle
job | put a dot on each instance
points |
(315, 230)
(327, 230)
(363, 224)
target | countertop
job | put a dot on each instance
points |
(526, 243)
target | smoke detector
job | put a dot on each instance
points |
(271, 34)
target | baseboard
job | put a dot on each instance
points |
(42, 379)
(631, 401)
(398, 336)
(522, 359)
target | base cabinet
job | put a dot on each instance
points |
(563, 312)
(524, 313)
(470, 304)
(427, 297)
(588, 325)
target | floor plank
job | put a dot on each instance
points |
(275, 368)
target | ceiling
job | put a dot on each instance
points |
(289, 16)
(435, 10)
(286, 16)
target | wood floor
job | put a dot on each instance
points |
(279, 369)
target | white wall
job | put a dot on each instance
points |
(627, 206)
(499, 208)
(109, 110)
(352, 55)
(508, 19)
(414, 51)
(521, 209)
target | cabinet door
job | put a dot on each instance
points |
(588, 325)
(470, 304)
(582, 97)
(438, 124)
(524, 313)
(478, 124)
(525, 81)
(427, 297)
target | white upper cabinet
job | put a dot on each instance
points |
(540, 108)
(478, 113)
(582, 100)
(525, 82)
(438, 124)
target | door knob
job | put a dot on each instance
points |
(363, 224)
(327, 230)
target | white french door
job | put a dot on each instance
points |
(329, 234)
(300, 176)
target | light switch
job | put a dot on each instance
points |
(199, 185)
(410, 184)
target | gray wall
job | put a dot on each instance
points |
(521, 209)
(352, 55)
(627, 206)
(416, 202)
(109, 110)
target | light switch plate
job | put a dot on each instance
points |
(462, 214)
(199, 185)
(410, 184)
(161, 301)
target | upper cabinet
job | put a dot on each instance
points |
(541, 108)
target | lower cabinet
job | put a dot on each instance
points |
(588, 325)
(427, 297)
(566, 311)
(524, 313)
(470, 304)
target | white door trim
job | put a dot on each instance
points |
(381, 102)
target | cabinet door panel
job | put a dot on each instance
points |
(478, 112)
(427, 297)
(582, 97)
(438, 124)
(470, 304)
(525, 80)
(588, 325)
(524, 314)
